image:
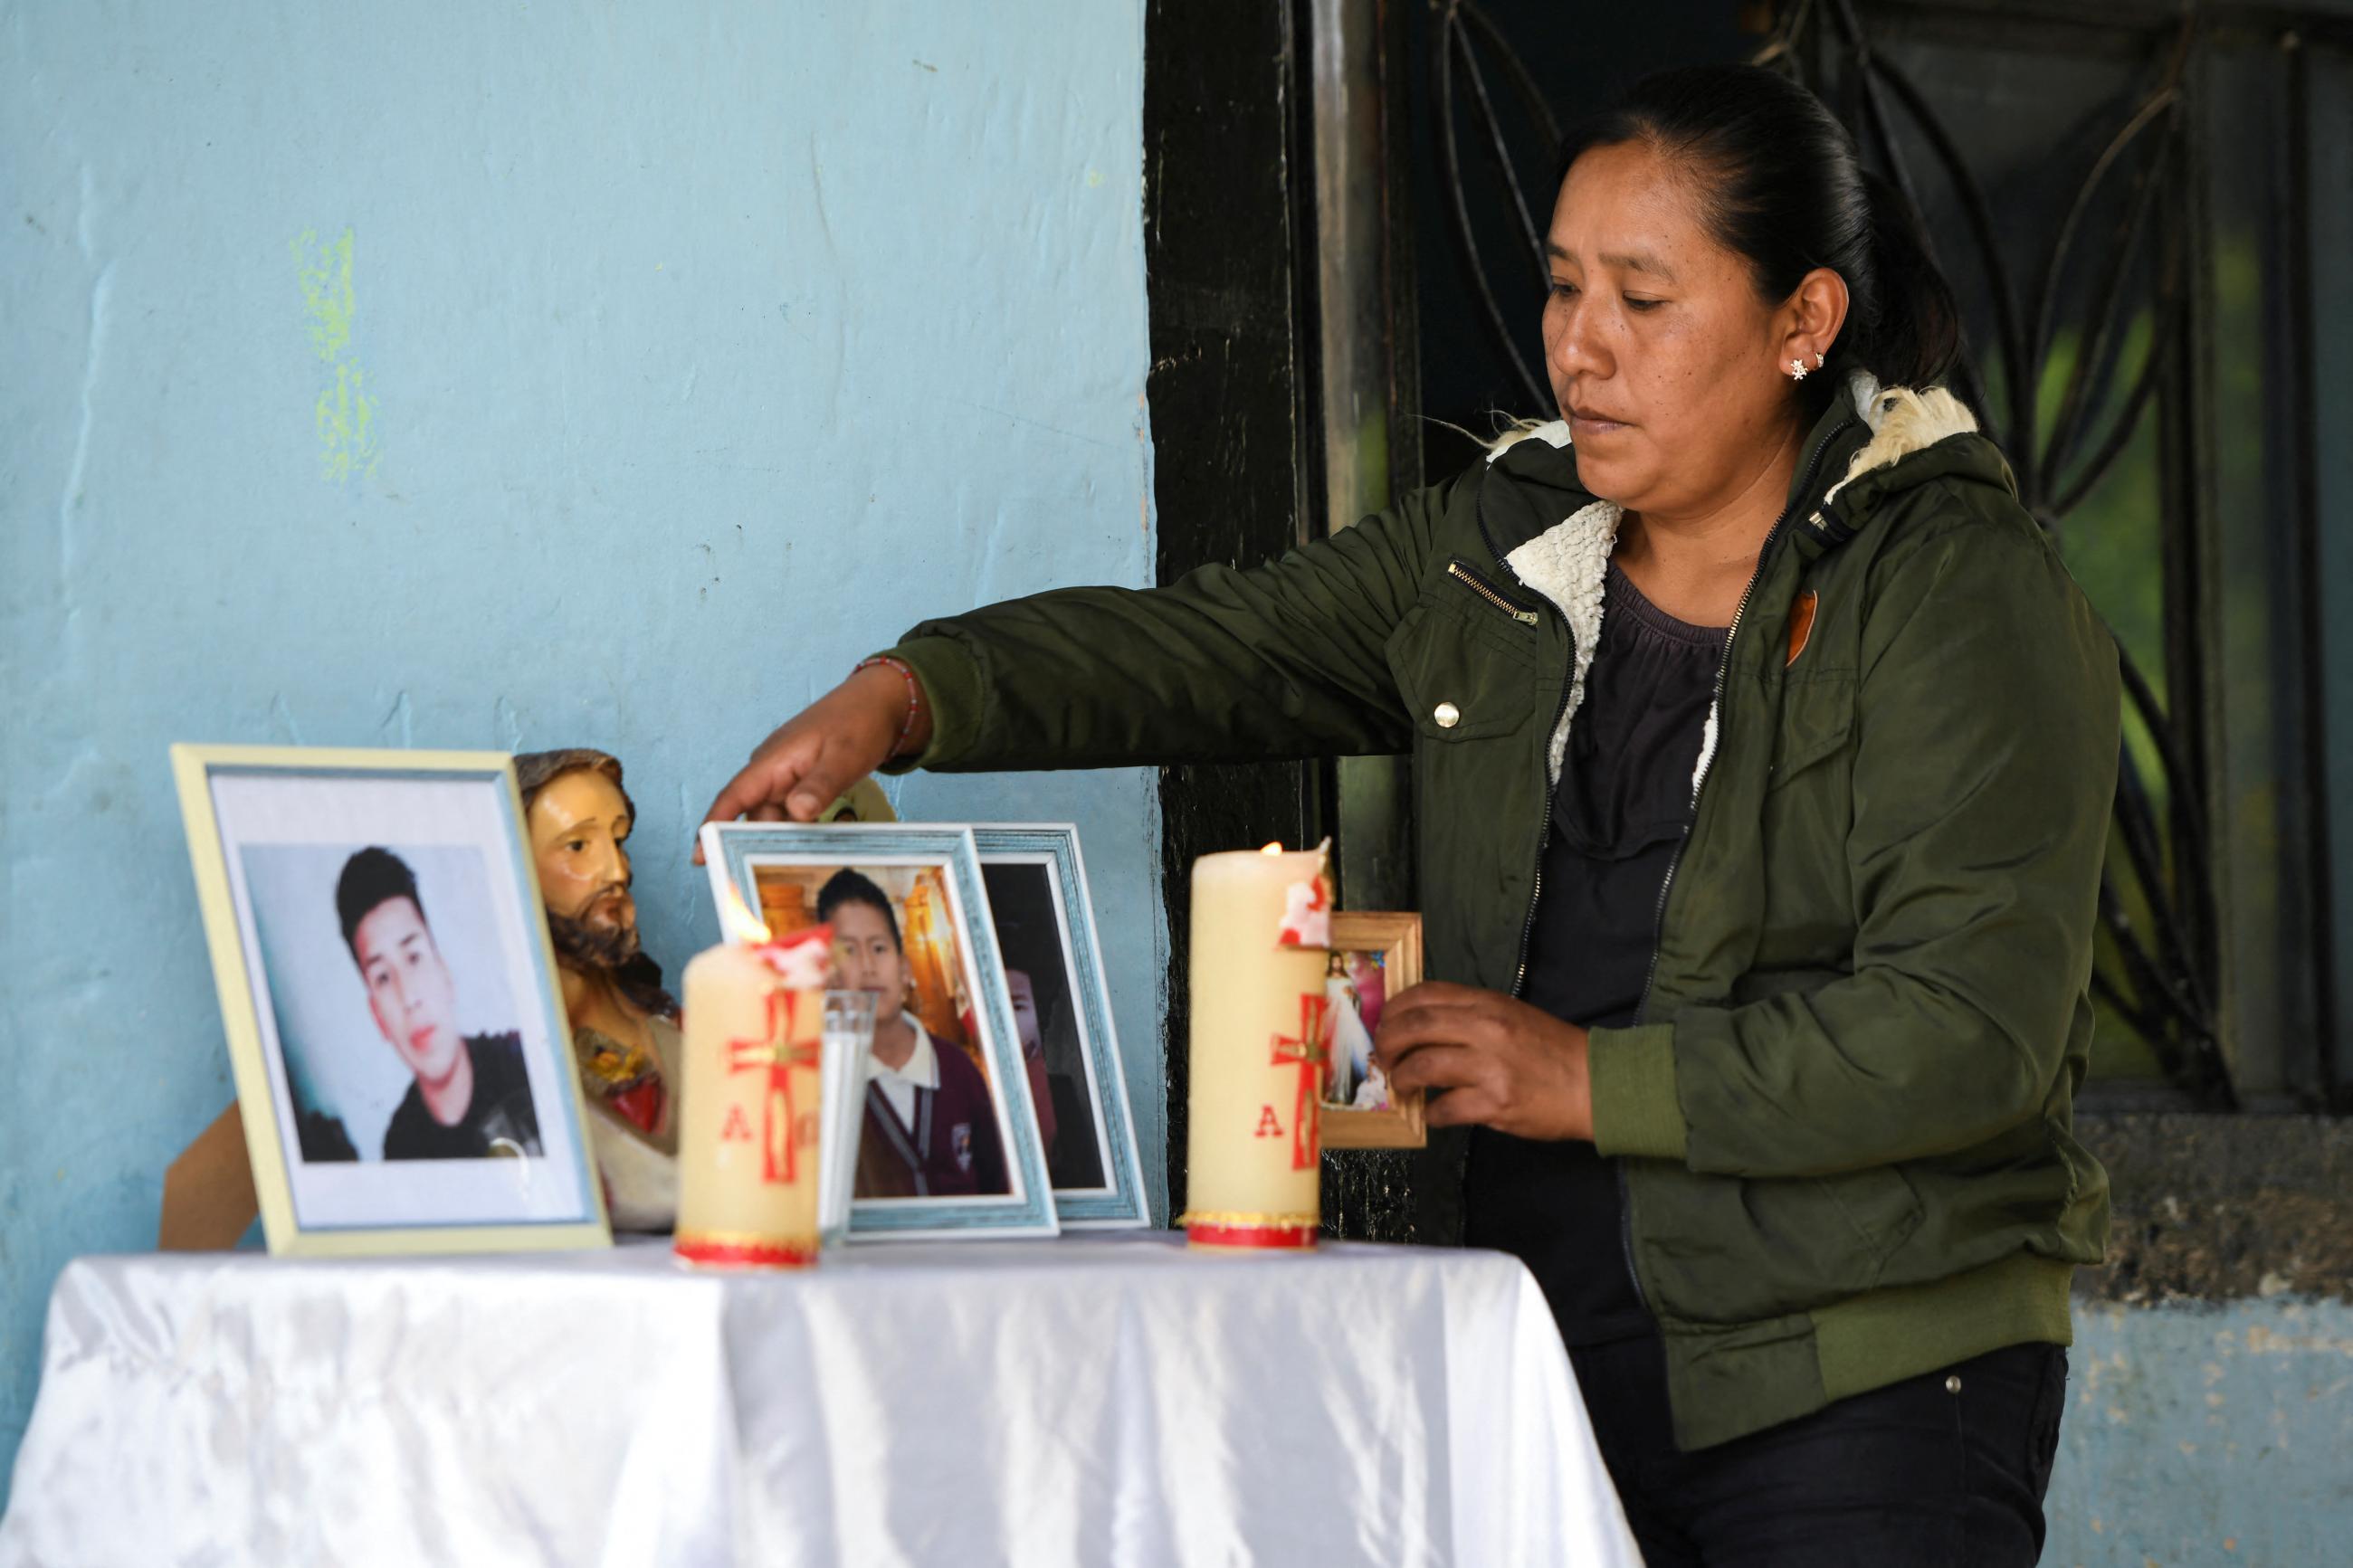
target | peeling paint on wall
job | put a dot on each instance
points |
(398, 726)
(345, 412)
(2200, 1434)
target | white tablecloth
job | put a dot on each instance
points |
(1092, 1400)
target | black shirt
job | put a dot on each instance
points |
(498, 1118)
(1619, 815)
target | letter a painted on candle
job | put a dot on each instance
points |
(1270, 1125)
(1311, 1050)
(738, 1127)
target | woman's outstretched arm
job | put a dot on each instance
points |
(1281, 661)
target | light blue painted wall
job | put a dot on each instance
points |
(706, 348)
(2205, 1436)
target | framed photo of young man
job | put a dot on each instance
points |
(1045, 924)
(948, 1138)
(1374, 956)
(402, 1069)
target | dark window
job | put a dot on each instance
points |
(2146, 219)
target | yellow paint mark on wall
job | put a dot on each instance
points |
(344, 414)
(326, 272)
(346, 417)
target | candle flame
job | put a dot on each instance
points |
(738, 923)
(1274, 849)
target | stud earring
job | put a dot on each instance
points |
(1818, 362)
(1797, 370)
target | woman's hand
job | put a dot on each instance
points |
(1501, 1062)
(821, 751)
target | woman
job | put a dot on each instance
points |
(931, 1127)
(1762, 756)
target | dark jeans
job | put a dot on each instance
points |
(1925, 1473)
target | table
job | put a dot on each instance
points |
(1098, 1399)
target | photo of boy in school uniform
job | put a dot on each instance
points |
(930, 1123)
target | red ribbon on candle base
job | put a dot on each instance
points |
(740, 1252)
(1262, 1235)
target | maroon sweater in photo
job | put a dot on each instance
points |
(951, 1150)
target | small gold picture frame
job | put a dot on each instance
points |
(1374, 956)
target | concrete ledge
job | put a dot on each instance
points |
(2222, 1208)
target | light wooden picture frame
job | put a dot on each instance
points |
(1045, 922)
(1367, 945)
(345, 1037)
(761, 863)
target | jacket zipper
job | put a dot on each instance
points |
(1691, 819)
(1716, 708)
(1470, 579)
(1544, 823)
(1535, 894)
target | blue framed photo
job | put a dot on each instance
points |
(1044, 916)
(949, 1141)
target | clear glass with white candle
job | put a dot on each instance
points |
(848, 1041)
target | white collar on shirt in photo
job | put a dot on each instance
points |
(900, 1083)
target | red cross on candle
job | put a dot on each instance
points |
(776, 1055)
(1313, 1052)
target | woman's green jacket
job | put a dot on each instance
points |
(1846, 1116)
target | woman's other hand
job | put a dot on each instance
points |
(816, 755)
(1500, 1062)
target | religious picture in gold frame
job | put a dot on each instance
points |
(1374, 956)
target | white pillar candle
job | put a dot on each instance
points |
(750, 1103)
(1260, 1048)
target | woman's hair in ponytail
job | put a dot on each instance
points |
(1915, 330)
(1780, 184)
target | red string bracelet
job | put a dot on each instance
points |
(914, 694)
